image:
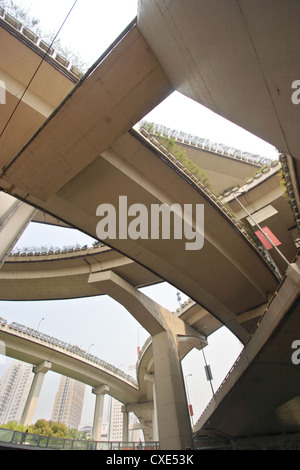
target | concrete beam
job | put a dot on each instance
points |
(152, 316)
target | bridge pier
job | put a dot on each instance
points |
(100, 392)
(172, 408)
(14, 218)
(125, 427)
(155, 434)
(165, 328)
(39, 374)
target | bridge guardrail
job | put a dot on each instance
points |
(13, 438)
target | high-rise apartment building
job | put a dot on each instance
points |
(14, 390)
(115, 423)
(69, 402)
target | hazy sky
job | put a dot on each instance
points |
(100, 324)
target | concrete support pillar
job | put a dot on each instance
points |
(14, 218)
(33, 396)
(172, 408)
(98, 413)
(155, 435)
(125, 427)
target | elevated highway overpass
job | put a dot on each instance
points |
(28, 345)
(88, 137)
(138, 170)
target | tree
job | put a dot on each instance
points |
(49, 428)
(14, 426)
(73, 433)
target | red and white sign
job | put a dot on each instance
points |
(265, 240)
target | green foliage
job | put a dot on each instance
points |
(28, 20)
(50, 428)
(284, 186)
(14, 426)
(180, 155)
(75, 434)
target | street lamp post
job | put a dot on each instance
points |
(178, 298)
(89, 348)
(208, 373)
(138, 340)
(39, 324)
(188, 398)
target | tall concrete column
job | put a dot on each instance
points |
(172, 407)
(14, 218)
(98, 412)
(155, 432)
(125, 424)
(155, 435)
(34, 393)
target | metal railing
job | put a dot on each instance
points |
(13, 439)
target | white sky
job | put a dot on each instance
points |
(91, 28)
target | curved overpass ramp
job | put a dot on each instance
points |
(28, 345)
(259, 398)
(64, 275)
(228, 262)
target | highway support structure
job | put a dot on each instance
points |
(39, 374)
(166, 330)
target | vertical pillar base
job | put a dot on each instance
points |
(98, 413)
(33, 396)
(172, 410)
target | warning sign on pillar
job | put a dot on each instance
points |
(265, 241)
